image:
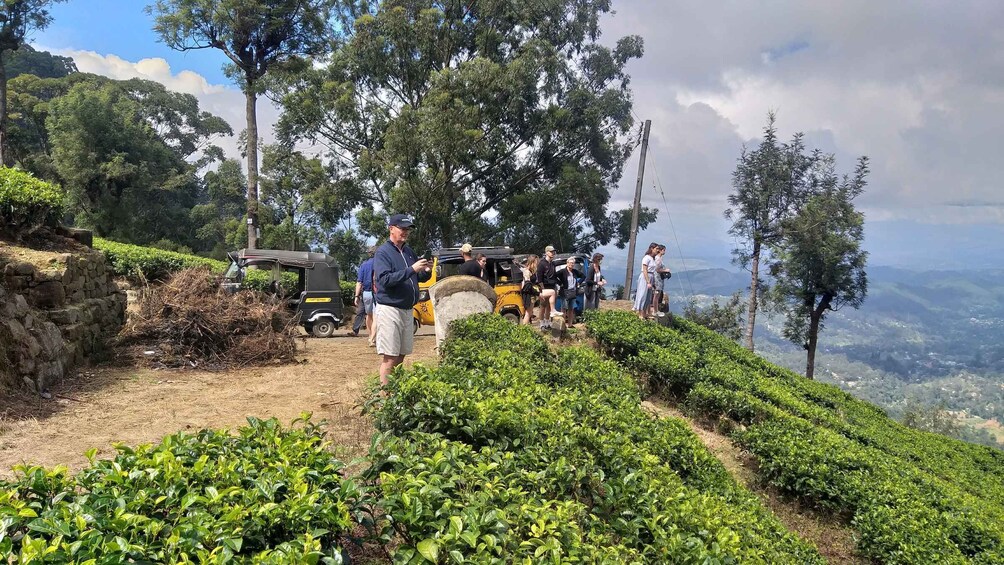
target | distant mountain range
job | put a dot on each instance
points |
(932, 336)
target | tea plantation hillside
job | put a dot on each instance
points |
(510, 453)
(913, 497)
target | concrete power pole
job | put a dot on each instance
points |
(634, 213)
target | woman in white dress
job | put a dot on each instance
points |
(643, 296)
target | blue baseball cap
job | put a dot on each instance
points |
(401, 221)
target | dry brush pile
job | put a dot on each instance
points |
(191, 321)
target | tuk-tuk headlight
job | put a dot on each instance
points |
(423, 295)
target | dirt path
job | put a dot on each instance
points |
(138, 405)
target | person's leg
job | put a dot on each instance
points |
(388, 343)
(370, 322)
(545, 311)
(387, 366)
(357, 323)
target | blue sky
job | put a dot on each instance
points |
(918, 87)
(121, 27)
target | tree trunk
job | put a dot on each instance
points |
(810, 347)
(252, 151)
(754, 285)
(3, 113)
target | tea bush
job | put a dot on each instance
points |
(137, 262)
(267, 495)
(508, 452)
(913, 497)
(26, 203)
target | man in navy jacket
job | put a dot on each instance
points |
(397, 271)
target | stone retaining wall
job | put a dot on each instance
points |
(53, 319)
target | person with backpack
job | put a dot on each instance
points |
(660, 274)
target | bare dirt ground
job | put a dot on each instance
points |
(139, 405)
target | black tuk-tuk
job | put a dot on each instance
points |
(317, 295)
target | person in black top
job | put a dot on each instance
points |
(568, 280)
(470, 267)
(482, 260)
(594, 282)
(548, 282)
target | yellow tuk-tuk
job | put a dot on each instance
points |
(502, 272)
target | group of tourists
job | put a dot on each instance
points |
(651, 282)
(545, 280)
(387, 289)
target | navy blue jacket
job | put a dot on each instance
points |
(365, 277)
(396, 281)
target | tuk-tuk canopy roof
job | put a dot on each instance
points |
(495, 253)
(305, 259)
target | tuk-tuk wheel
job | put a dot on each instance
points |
(511, 316)
(323, 328)
(417, 325)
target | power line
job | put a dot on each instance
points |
(672, 226)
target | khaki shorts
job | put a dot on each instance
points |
(395, 330)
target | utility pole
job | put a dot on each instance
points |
(634, 213)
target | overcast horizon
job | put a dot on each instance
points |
(917, 87)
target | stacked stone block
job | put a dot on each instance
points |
(52, 319)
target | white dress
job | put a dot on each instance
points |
(643, 297)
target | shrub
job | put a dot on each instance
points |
(27, 203)
(913, 497)
(267, 495)
(138, 263)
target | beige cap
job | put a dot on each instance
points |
(548, 248)
(466, 248)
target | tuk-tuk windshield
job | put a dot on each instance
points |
(234, 272)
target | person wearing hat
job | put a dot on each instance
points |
(548, 280)
(470, 266)
(397, 272)
(364, 298)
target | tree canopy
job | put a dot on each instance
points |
(819, 265)
(769, 184)
(494, 122)
(127, 152)
(18, 18)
